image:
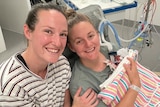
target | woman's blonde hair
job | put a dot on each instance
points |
(74, 17)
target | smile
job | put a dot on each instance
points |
(90, 50)
(53, 50)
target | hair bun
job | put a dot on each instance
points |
(70, 13)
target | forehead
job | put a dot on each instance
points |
(81, 30)
(51, 13)
(52, 17)
(82, 27)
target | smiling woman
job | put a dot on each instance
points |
(39, 75)
(40, 68)
(89, 69)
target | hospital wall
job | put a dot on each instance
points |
(14, 12)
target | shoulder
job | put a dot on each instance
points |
(78, 69)
(11, 64)
(12, 71)
(79, 74)
(61, 67)
(76, 80)
(62, 62)
(63, 59)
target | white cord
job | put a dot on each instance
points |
(103, 41)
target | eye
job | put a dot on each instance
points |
(48, 31)
(79, 41)
(64, 35)
(91, 36)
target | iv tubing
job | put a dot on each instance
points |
(101, 27)
(130, 40)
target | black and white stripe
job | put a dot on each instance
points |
(20, 87)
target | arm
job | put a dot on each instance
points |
(12, 101)
(67, 99)
(88, 99)
(130, 97)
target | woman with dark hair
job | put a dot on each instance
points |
(39, 76)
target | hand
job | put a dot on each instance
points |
(88, 99)
(132, 72)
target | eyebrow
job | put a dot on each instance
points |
(90, 32)
(76, 39)
(65, 31)
(54, 28)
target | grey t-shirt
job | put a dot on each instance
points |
(87, 78)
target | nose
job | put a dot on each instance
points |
(87, 43)
(56, 40)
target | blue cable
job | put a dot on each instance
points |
(101, 29)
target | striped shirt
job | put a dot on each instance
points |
(19, 87)
(149, 95)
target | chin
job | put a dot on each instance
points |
(52, 60)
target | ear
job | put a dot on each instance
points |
(70, 47)
(27, 31)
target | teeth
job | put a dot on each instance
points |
(90, 50)
(53, 50)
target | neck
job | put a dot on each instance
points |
(96, 65)
(35, 65)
